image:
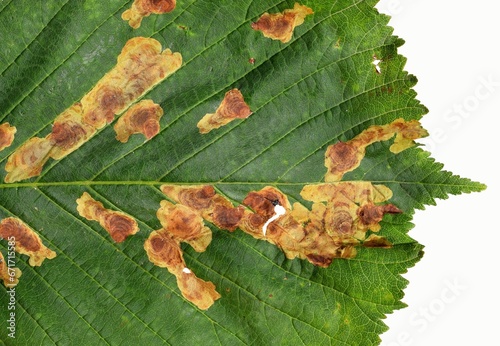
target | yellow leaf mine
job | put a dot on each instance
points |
(233, 107)
(140, 66)
(280, 26)
(143, 8)
(9, 275)
(143, 117)
(27, 242)
(7, 133)
(344, 157)
(119, 225)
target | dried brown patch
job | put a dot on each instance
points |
(344, 157)
(69, 132)
(119, 225)
(27, 242)
(143, 8)
(164, 250)
(233, 107)
(140, 66)
(143, 117)
(185, 224)
(280, 26)
(7, 133)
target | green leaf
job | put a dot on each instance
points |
(309, 93)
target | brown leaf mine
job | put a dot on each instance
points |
(280, 26)
(233, 106)
(27, 242)
(7, 133)
(143, 117)
(9, 276)
(344, 157)
(140, 66)
(69, 132)
(119, 225)
(164, 251)
(185, 225)
(143, 8)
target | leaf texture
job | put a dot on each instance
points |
(317, 89)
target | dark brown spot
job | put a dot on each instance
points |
(119, 226)
(319, 260)
(343, 157)
(340, 222)
(227, 218)
(66, 135)
(11, 227)
(375, 241)
(235, 106)
(159, 6)
(371, 214)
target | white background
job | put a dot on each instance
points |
(453, 47)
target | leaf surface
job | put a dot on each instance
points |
(320, 88)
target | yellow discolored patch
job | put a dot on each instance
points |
(27, 242)
(7, 133)
(9, 276)
(140, 66)
(233, 107)
(280, 26)
(143, 117)
(27, 161)
(163, 249)
(344, 157)
(119, 225)
(143, 8)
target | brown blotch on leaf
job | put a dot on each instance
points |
(233, 107)
(119, 225)
(370, 214)
(164, 250)
(343, 157)
(140, 66)
(280, 26)
(9, 276)
(143, 8)
(227, 218)
(143, 117)
(377, 241)
(27, 242)
(7, 133)
(185, 224)
(69, 132)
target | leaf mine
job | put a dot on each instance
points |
(7, 133)
(280, 26)
(232, 107)
(181, 224)
(343, 157)
(27, 242)
(341, 215)
(119, 225)
(144, 8)
(143, 117)
(9, 275)
(28, 159)
(185, 225)
(140, 66)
